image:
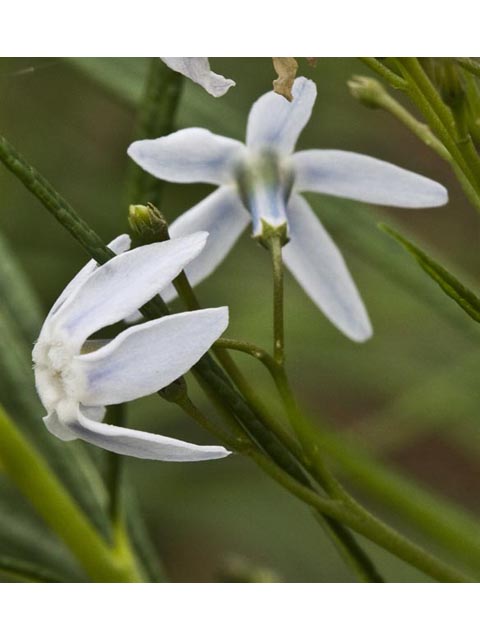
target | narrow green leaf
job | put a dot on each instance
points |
(462, 295)
(16, 570)
(17, 295)
(155, 118)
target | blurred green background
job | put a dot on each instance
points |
(410, 394)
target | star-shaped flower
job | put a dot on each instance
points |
(76, 377)
(261, 182)
(198, 70)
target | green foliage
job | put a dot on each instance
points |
(395, 292)
(462, 295)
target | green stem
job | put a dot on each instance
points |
(443, 523)
(155, 118)
(349, 549)
(366, 524)
(469, 65)
(275, 246)
(115, 467)
(421, 130)
(390, 76)
(447, 525)
(354, 516)
(54, 203)
(36, 481)
(440, 117)
(343, 540)
(424, 133)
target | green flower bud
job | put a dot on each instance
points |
(147, 223)
(366, 90)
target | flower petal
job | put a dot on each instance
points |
(58, 428)
(141, 444)
(359, 177)
(319, 267)
(198, 70)
(123, 284)
(189, 155)
(224, 217)
(275, 123)
(118, 245)
(145, 358)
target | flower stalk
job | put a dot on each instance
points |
(458, 143)
(275, 246)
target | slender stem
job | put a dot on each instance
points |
(390, 486)
(462, 153)
(155, 118)
(469, 65)
(458, 143)
(57, 205)
(45, 492)
(424, 133)
(343, 540)
(390, 76)
(349, 549)
(449, 526)
(420, 129)
(275, 246)
(115, 467)
(359, 520)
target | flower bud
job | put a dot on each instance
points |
(366, 90)
(147, 223)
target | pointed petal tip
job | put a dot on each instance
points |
(443, 196)
(134, 148)
(360, 334)
(198, 70)
(142, 444)
(221, 89)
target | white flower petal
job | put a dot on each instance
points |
(141, 444)
(275, 123)
(319, 267)
(189, 155)
(58, 428)
(118, 245)
(198, 70)
(123, 284)
(224, 217)
(353, 175)
(146, 358)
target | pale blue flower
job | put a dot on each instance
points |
(76, 378)
(198, 70)
(261, 182)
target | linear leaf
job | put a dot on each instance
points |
(16, 570)
(462, 295)
(17, 295)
